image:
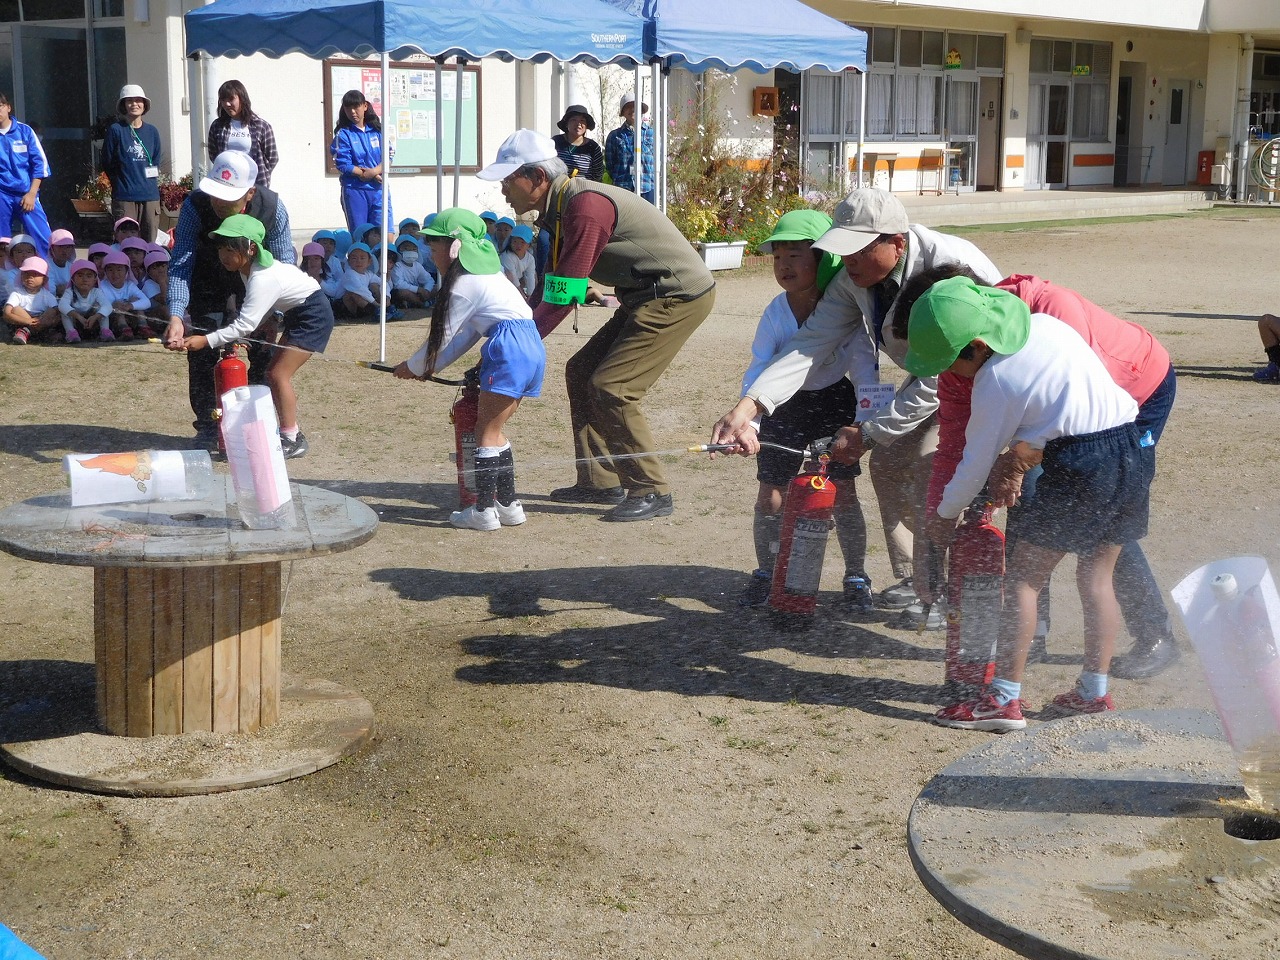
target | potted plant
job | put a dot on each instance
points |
(172, 193)
(94, 195)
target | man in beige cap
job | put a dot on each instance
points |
(881, 250)
(131, 154)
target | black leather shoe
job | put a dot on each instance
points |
(1146, 659)
(642, 508)
(609, 496)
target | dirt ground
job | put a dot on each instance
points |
(584, 748)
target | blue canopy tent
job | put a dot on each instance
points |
(574, 31)
(763, 35)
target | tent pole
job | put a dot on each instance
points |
(655, 92)
(439, 140)
(638, 136)
(862, 124)
(804, 132)
(457, 128)
(386, 204)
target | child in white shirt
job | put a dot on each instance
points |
(31, 309)
(84, 306)
(518, 263)
(21, 249)
(127, 301)
(156, 285)
(62, 250)
(411, 284)
(272, 286)
(361, 285)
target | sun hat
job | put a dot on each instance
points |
(952, 313)
(250, 228)
(521, 148)
(630, 97)
(490, 216)
(796, 226)
(406, 220)
(343, 240)
(377, 253)
(62, 238)
(131, 91)
(861, 217)
(116, 259)
(35, 265)
(5, 240)
(123, 220)
(96, 248)
(233, 174)
(581, 111)
(358, 246)
(312, 249)
(508, 221)
(523, 232)
(472, 246)
(429, 219)
(78, 265)
(365, 228)
(408, 238)
(134, 243)
(324, 235)
(154, 257)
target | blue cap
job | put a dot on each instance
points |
(408, 238)
(365, 228)
(508, 221)
(429, 219)
(489, 215)
(400, 226)
(344, 241)
(523, 232)
(359, 246)
(324, 235)
(377, 252)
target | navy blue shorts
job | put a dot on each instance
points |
(309, 325)
(513, 360)
(1094, 491)
(809, 415)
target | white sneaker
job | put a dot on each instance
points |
(473, 519)
(510, 516)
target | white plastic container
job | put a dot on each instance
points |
(1231, 610)
(138, 476)
(251, 433)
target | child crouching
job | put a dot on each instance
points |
(31, 309)
(474, 302)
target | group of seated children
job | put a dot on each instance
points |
(116, 293)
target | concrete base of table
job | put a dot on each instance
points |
(56, 737)
(1102, 836)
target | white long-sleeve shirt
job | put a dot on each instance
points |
(777, 328)
(86, 306)
(477, 303)
(522, 271)
(279, 286)
(128, 291)
(410, 277)
(840, 334)
(1055, 386)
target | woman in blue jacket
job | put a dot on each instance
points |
(22, 167)
(357, 150)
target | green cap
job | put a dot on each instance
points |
(476, 250)
(952, 313)
(251, 228)
(800, 225)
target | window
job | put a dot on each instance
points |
(1086, 66)
(990, 52)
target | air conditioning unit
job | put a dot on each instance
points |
(1218, 176)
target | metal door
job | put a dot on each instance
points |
(1047, 135)
(1175, 134)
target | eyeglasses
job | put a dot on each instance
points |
(865, 251)
(510, 178)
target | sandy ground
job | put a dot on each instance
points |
(584, 748)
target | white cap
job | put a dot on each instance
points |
(630, 97)
(128, 92)
(232, 175)
(861, 217)
(522, 147)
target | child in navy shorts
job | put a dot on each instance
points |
(272, 286)
(1036, 382)
(475, 301)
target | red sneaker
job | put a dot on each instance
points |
(1071, 704)
(20, 335)
(985, 713)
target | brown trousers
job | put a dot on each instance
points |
(900, 475)
(147, 213)
(609, 377)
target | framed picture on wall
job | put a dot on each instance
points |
(764, 101)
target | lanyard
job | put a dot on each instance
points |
(138, 140)
(555, 243)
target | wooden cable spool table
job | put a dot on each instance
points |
(187, 606)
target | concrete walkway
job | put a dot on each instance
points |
(1021, 206)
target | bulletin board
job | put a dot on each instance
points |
(409, 120)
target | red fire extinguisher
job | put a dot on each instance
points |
(228, 373)
(464, 413)
(802, 542)
(975, 596)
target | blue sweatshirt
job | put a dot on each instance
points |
(351, 148)
(126, 154)
(22, 159)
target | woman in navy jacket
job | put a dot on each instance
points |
(357, 150)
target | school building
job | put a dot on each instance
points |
(1007, 95)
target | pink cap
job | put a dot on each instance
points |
(312, 249)
(123, 220)
(79, 265)
(5, 239)
(98, 248)
(61, 238)
(116, 258)
(35, 265)
(134, 243)
(154, 257)
(153, 247)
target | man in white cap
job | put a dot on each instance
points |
(131, 155)
(881, 250)
(614, 238)
(620, 150)
(200, 285)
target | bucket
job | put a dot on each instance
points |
(1231, 611)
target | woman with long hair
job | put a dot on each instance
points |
(237, 127)
(357, 151)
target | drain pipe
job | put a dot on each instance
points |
(1244, 74)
